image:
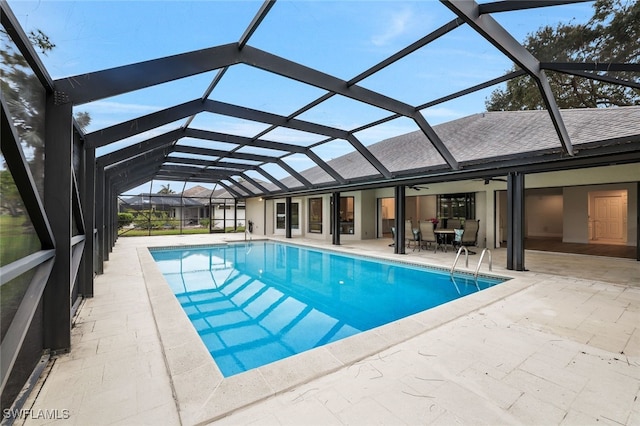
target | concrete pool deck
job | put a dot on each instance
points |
(559, 344)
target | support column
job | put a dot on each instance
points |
(88, 207)
(515, 221)
(107, 218)
(399, 243)
(100, 206)
(235, 216)
(58, 205)
(287, 217)
(335, 213)
(224, 216)
(114, 217)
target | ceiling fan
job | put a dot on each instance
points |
(417, 188)
(487, 180)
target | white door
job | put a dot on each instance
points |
(608, 218)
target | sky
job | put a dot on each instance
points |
(341, 38)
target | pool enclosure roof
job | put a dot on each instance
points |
(306, 149)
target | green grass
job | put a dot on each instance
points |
(17, 240)
(175, 231)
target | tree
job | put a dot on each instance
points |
(25, 99)
(611, 35)
(9, 196)
(166, 189)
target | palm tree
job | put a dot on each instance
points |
(166, 190)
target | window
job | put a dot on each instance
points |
(315, 215)
(347, 215)
(281, 209)
(457, 206)
(280, 215)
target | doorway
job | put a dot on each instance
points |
(386, 216)
(608, 217)
(280, 217)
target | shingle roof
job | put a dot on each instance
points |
(168, 200)
(486, 136)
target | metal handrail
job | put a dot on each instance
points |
(475, 275)
(466, 258)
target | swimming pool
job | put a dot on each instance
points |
(255, 303)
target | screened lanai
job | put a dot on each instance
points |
(266, 100)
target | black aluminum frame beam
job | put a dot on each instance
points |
(242, 140)
(21, 173)
(272, 63)
(295, 174)
(58, 190)
(231, 190)
(512, 5)
(17, 331)
(142, 124)
(232, 167)
(272, 178)
(591, 66)
(500, 38)
(434, 35)
(158, 142)
(87, 184)
(244, 39)
(400, 214)
(515, 221)
(188, 175)
(604, 78)
(255, 183)
(223, 154)
(102, 84)
(140, 162)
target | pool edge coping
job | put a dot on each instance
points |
(203, 395)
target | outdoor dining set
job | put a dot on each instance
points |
(454, 233)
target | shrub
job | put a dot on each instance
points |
(124, 219)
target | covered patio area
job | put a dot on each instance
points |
(307, 128)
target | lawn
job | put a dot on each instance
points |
(18, 238)
(175, 231)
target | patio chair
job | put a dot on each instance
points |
(393, 236)
(427, 236)
(454, 224)
(411, 234)
(470, 235)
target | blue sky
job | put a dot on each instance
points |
(341, 38)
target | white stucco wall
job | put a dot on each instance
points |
(544, 214)
(576, 211)
(563, 212)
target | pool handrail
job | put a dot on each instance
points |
(466, 258)
(475, 275)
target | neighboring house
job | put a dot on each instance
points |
(187, 210)
(588, 205)
(218, 205)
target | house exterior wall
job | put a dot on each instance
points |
(544, 214)
(254, 213)
(562, 210)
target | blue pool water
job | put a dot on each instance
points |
(258, 302)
